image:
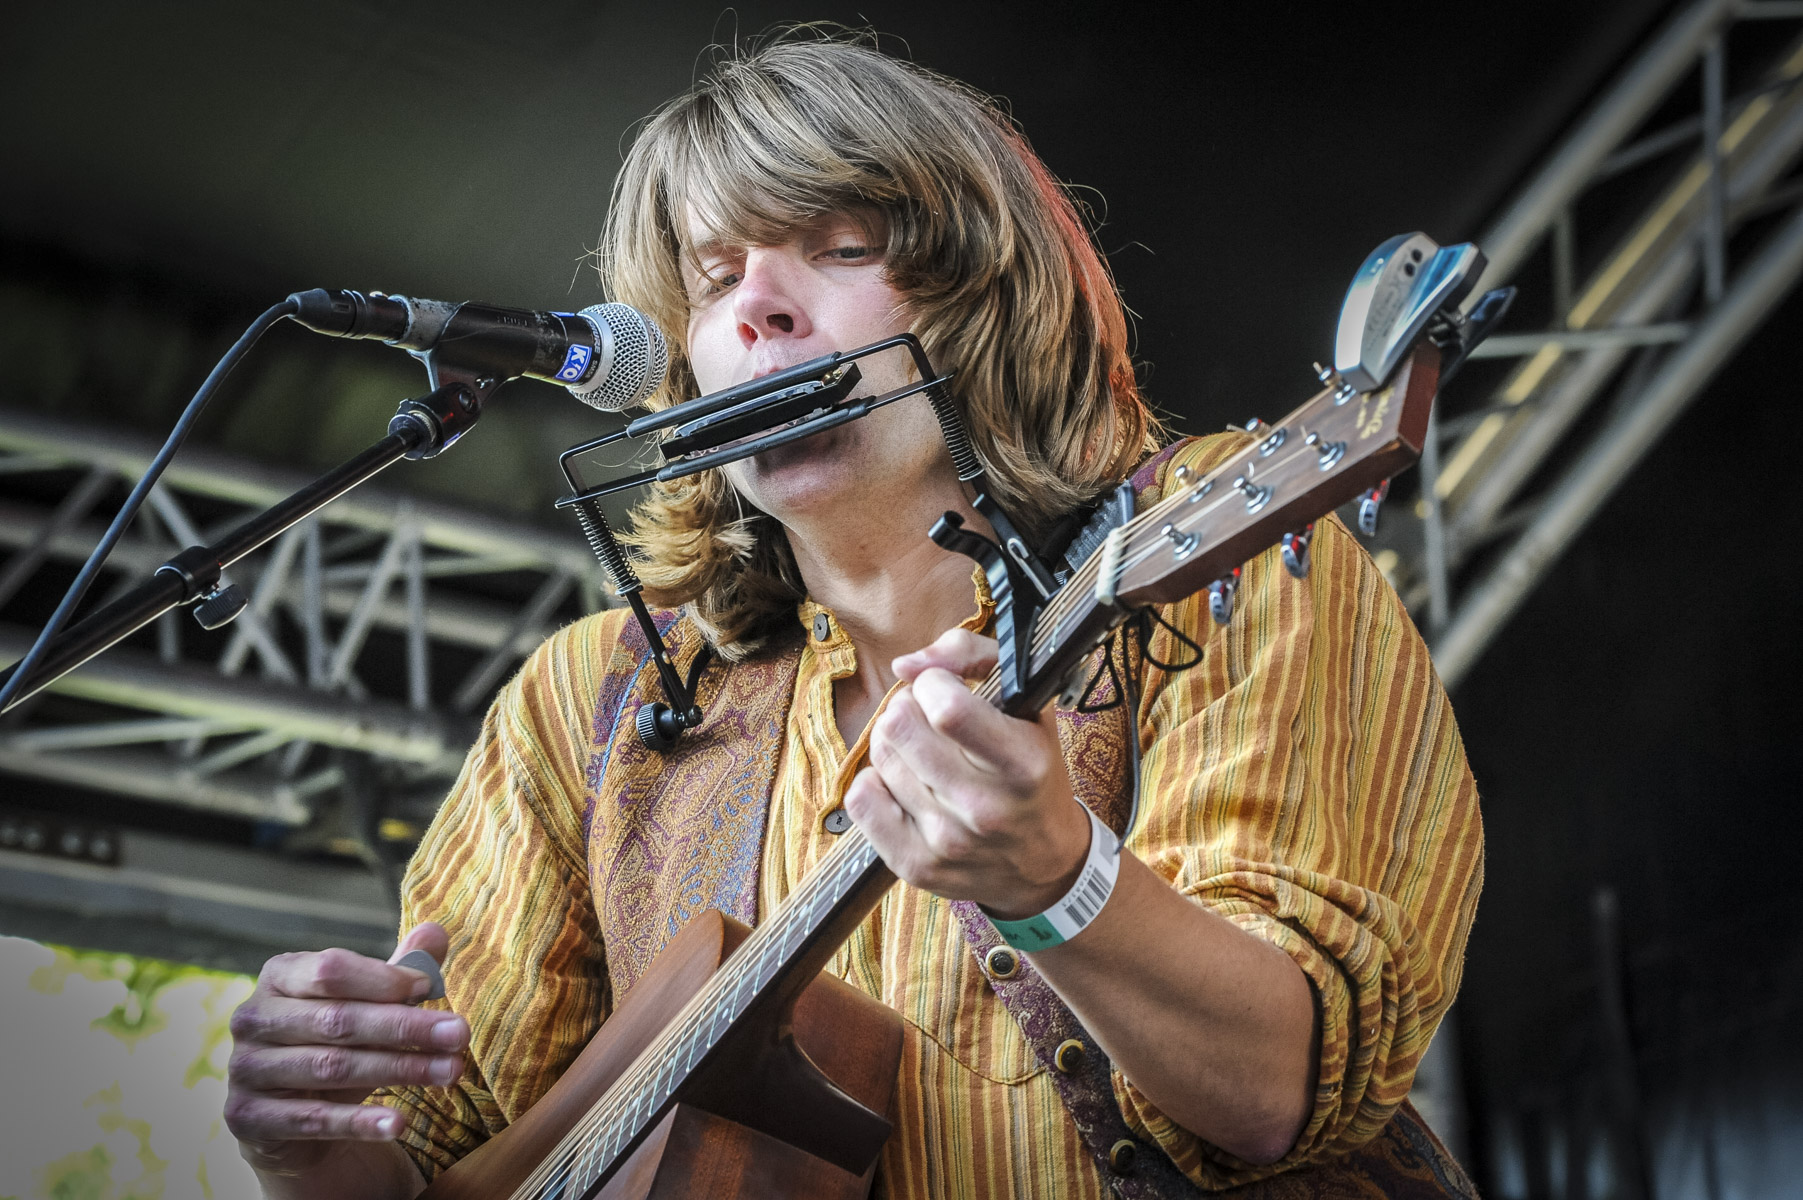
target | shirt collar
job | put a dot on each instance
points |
(817, 620)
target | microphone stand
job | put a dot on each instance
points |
(421, 428)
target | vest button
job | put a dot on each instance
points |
(837, 821)
(823, 627)
(1002, 963)
(1069, 1055)
(1122, 1154)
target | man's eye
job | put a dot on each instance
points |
(718, 282)
(849, 253)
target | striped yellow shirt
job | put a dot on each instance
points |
(1306, 780)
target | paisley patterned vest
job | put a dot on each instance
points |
(672, 835)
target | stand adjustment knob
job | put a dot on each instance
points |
(219, 606)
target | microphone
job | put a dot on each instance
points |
(609, 356)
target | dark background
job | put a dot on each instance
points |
(168, 171)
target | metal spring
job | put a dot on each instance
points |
(601, 540)
(957, 438)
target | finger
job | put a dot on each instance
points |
(332, 1068)
(923, 769)
(253, 1118)
(283, 1020)
(994, 741)
(963, 653)
(424, 950)
(898, 838)
(342, 975)
(870, 804)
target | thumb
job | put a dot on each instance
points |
(422, 951)
(429, 936)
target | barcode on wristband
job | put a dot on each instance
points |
(1095, 883)
(1086, 898)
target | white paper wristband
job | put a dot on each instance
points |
(1073, 913)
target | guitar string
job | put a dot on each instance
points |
(686, 1025)
(1081, 585)
(615, 1105)
(631, 1086)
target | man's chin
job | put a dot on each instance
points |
(817, 451)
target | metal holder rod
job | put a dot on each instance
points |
(421, 428)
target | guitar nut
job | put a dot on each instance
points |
(1069, 1055)
(1002, 963)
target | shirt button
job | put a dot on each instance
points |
(823, 627)
(837, 821)
(1121, 1156)
(1002, 963)
(1069, 1056)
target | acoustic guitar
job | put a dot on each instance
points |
(735, 1066)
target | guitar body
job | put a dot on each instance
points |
(764, 1121)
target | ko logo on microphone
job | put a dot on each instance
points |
(575, 363)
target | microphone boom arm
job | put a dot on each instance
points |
(420, 429)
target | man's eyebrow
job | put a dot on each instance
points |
(709, 247)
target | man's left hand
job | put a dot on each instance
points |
(962, 800)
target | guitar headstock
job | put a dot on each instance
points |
(1399, 316)
(1296, 471)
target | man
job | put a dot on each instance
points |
(1288, 929)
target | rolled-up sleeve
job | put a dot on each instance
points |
(502, 868)
(1306, 780)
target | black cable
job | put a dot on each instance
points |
(1130, 700)
(135, 501)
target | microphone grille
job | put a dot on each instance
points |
(634, 358)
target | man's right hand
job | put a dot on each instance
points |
(321, 1032)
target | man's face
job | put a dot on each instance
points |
(758, 309)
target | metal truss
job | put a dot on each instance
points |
(1636, 338)
(1632, 342)
(333, 712)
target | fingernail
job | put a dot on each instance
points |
(421, 987)
(448, 1034)
(446, 1070)
(389, 1125)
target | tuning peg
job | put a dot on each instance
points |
(1295, 551)
(1369, 503)
(1327, 375)
(1330, 452)
(1220, 597)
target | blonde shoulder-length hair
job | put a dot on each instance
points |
(1003, 282)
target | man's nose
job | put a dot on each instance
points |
(767, 300)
